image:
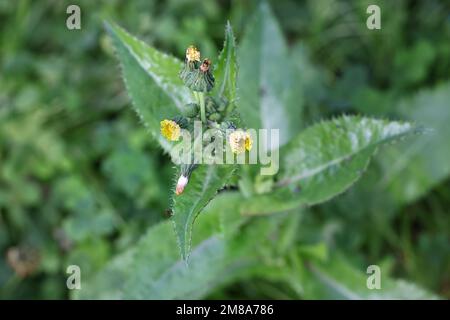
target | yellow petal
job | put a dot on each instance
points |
(170, 130)
(248, 141)
(192, 54)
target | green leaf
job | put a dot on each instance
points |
(324, 161)
(152, 81)
(227, 68)
(203, 185)
(412, 169)
(337, 279)
(152, 269)
(268, 93)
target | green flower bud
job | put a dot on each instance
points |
(215, 116)
(227, 125)
(181, 121)
(191, 64)
(189, 69)
(221, 104)
(191, 110)
(210, 105)
(201, 79)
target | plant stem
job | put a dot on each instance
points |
(201, 98)
(246, 183)
(196, 96)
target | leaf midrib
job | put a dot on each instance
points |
(323, 167)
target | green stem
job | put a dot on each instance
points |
(201, 98)
(196, 96)
(246, 183)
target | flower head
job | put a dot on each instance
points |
(240, 141)
(192, 54)
(170, 130)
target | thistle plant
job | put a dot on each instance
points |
(315, 164)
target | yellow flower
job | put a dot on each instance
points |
(192, 54)
(170, 130)
(240, 141)
(248, 142)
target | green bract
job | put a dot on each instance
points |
(199, 78)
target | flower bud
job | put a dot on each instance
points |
(181, 184)
(210, 105)
(201, 79)
(191, 63)
(191, 110)
(227, 125)
(215, 116)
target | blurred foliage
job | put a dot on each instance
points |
(81, 180)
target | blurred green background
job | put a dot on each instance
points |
(81, 180)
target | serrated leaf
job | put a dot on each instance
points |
(152, 81)
(325, 160)
(203, 185)
(227, 68)
(268, 93)
(152, 269)
(337, 279)
(408, 170)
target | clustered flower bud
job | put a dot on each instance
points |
(195, 75)
(211, 111)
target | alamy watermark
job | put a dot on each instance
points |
(73, 21)
(374, 280)
(73, 281)
(373, 22)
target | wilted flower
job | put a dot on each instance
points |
(204, 67)
(240, 141)
(170, 130)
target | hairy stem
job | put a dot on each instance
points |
(201, 98)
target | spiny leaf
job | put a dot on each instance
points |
(226, 68)
(268, 93)
(325, 160)
(152, 81)
(203, 185)
(152, 269)
(407, 170)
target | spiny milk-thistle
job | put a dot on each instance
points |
(206, 120)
